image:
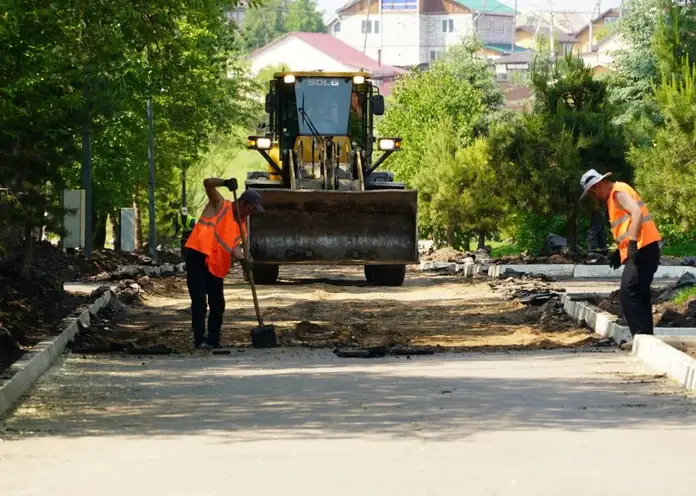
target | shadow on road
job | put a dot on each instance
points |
(287, 396)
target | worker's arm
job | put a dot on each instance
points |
(631, 206)
(211, 189)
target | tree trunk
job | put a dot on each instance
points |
(481, 241)
(116, 227)
(450, 235)
(99, 231)
(138, 227)
(572, 228)
(28, 250)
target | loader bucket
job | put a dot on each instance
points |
(335, 227)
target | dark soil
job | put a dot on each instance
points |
(665, 314)
(32, 309)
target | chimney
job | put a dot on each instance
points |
(379, 57)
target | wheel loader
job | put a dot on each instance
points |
(325, 202)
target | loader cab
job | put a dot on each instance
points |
(306, 112)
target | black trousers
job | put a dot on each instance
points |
(636, 295)
(202, 283)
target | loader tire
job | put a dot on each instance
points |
(385, 275)
(266, 273)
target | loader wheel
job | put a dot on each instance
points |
(385, 275)
(266, 273)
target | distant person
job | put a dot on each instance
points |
(215, 240)
(596, 237)
(637, 239)
(185, 223)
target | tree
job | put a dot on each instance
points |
(458, 191)
(464, 62)
(543, 154)
(275, 18)
(304, 16)
(420, 100)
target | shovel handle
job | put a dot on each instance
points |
(245, 245)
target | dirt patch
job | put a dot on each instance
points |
(446, 254)
(341, 311)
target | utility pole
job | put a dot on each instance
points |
(87, 177)
(152, 238)
(368, 28)
(183, 187)
(514, 29)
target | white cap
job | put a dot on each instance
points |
(184, 211)
(589, 179)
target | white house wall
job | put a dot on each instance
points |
(433, 39)
(399, 39)
(351, 34)
(495, 28)
(298, 55)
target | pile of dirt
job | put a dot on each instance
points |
(446, 254)
(31, 310)
(559, 258)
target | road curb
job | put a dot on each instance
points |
(25, 372)
(583, 271)
(604, 323)
(666, 359)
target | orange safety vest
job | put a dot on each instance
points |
(216, 237)
(620, 221)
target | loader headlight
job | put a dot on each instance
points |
(358, 79)
(260, 143)
(389, 144)
(289, 79)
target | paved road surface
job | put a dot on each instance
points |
(307, 423)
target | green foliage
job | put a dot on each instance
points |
(422, 99)
(274, 18)
(680, 249)
(666, 172)
(542, 155)
(91, 68)
(457, 188)
(684, 295)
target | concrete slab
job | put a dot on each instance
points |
(307, 423)
(584, 271)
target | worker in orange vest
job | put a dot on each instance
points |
(638, 242)
(215, 240)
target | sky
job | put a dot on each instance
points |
(330, 6)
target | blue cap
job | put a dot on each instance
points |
(254, 197)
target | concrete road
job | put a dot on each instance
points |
(307, 423)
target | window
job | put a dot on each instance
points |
(610, 20)
(448, 26)
(498, 27)
(366, 26)
(434, 55)
(337, 27)
(399, 4)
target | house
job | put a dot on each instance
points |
(566, 22)
(593, 32)
(407, 33)
(321, 51)
(602, 57)
(564, 43)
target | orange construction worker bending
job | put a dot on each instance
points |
(637, 239)
(214, 241)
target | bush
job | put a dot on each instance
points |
(530, 230)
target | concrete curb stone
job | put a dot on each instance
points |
(25, 372)
(583, 271)
(666, 359)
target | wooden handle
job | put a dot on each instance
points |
(250, 274)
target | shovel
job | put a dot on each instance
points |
(263, 336)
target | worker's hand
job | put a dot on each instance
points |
(633, 251)
(615, 259)
(247, 265)
(231, 184)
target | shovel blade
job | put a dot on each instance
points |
(264, 337)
